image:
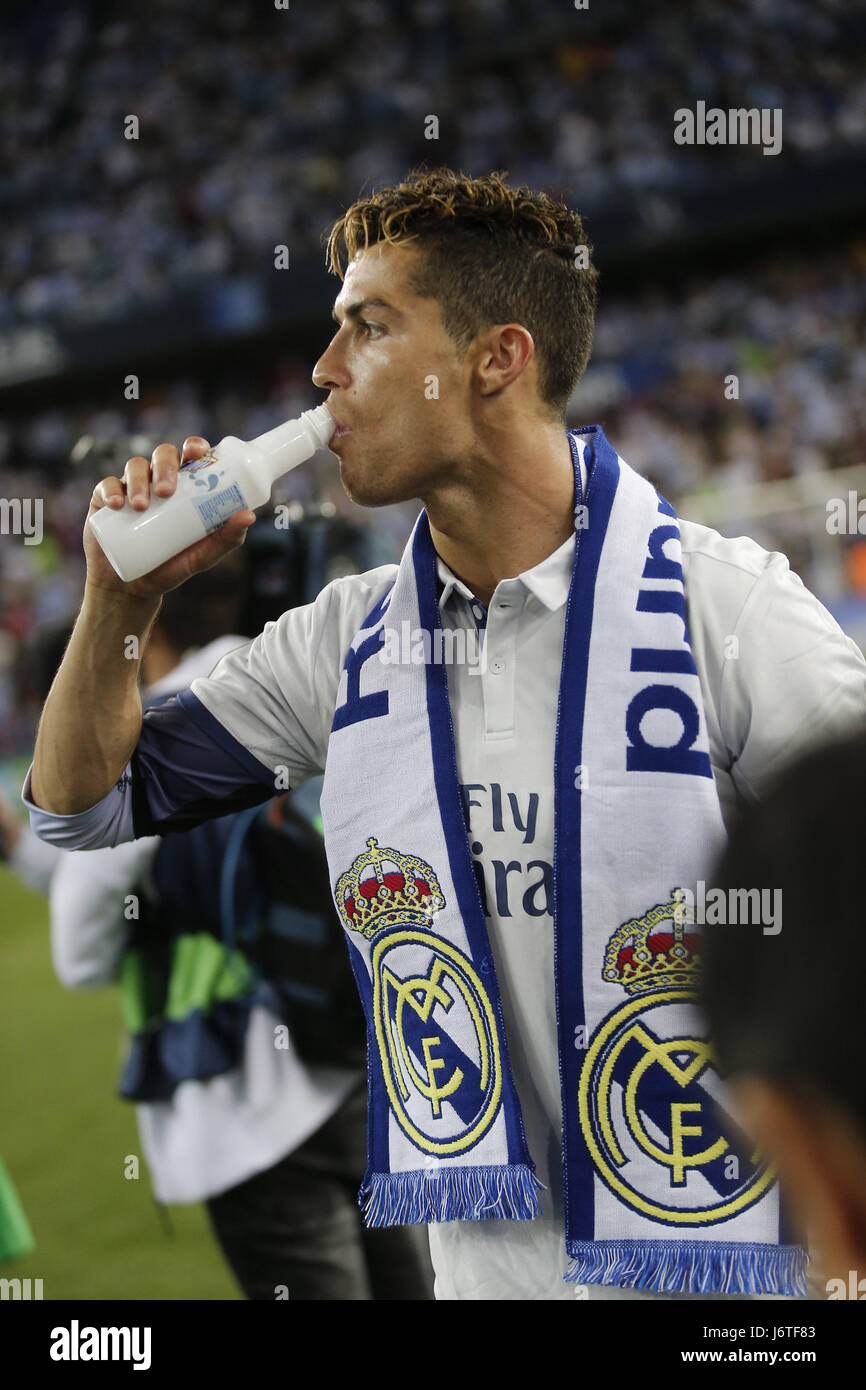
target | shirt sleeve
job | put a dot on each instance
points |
(108, 822)
(276, 696)
(257, 725)
(791, 678)
(185, 769)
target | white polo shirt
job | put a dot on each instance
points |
(776, 672)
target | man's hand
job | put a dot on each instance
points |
(158, 476)
(92, 716)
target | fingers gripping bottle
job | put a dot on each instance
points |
(231, 476)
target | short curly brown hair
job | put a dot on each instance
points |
(492, 254)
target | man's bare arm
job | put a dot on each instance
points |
(91, 720)
(92, 716)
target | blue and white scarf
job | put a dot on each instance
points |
(656, 1194)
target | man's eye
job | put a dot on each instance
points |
(372, 330)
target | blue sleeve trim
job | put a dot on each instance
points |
(187, 768)
(228, 743)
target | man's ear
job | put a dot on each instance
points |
(501, 354)
(820, 1153)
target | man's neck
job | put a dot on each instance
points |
(513, 507)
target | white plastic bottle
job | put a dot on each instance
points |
(232, 475)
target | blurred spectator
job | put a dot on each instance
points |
(785, 1007)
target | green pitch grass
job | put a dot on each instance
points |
(65, 1138)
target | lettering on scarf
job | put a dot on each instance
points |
(374, 703)
(662, 721)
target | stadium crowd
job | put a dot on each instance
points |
(257, 123)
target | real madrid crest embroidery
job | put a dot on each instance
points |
(648, 1091)
(433, 1020)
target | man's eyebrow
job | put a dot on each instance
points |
(360, 305)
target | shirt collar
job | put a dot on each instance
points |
(450, 584)
(549, 580)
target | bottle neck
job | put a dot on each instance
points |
(280, 447)
(294, 441)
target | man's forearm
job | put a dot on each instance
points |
(91, 721)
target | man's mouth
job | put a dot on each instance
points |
(341, 431)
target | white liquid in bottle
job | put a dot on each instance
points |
(231, 476)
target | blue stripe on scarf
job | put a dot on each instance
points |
(378, 1109)
(603, 478)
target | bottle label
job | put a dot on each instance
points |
(217, 508)
(194, 465)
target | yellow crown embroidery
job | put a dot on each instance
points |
(642, 955)
(384, 887)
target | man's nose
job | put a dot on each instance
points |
(329, 372)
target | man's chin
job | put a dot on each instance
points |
(365, 491)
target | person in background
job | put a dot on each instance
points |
(785, 1005)
(29, 858)
(229, 1112)
(32, 860)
